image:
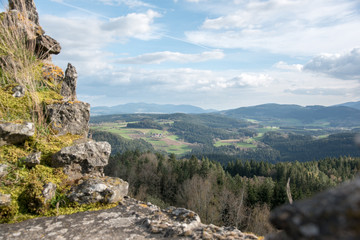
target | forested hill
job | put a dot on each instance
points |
(295, 115)
(355, 105)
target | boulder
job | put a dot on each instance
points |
(3, 170)
(104, 190)
(13, 133)
(69, 117)
(5, 200)
(18, 91)
(49, 191)
(32, 160)
(68, 88)
(25, 6)
(87, 158)
(334, 214)
(45, 46)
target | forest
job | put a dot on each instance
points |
(240, 194)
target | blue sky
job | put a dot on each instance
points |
(214, 54)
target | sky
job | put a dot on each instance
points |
(217, 54)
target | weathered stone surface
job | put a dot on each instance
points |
(5, 200)
(87, 158)
(12, 133)
(3, 170)
(334, 214)
(49, 191)
(32, 160)
(131, 219)
(104, 190)
(18, 91)
(45, 46)
(52, 73)
(69, 117)
(26, 6)
(68, 88)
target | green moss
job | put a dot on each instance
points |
(14, 108)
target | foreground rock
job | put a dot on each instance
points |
(26, 6)
(130, 220)
(83, 159)
(104, 190)
(32, 160)
(69, 117)
(12, 133)
(334, 214)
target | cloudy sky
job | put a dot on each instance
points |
(211, 53)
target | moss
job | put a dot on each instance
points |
(14, 108)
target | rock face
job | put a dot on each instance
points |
(27, 6)
(32, 160)
(334, 214)
(129, 220)
(104, 190)
(88, 158)
(68, 88)
(69, 117)
(12, 133)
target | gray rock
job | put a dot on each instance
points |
(12, 133)
(18, 91)
(45, 46)
(83, 159)
(68, 88)
(104, 190)
(5, 200)
(49, 191)
(131, 219)
(69, 117)
(26, 6)
(3, 170)
(334, 214)
(32, 160)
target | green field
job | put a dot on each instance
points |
(244, 143)
(160, 139)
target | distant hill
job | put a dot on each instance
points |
(130, 108)
(295, 115)
(355, 105)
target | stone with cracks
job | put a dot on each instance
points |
(334, 214)
(68, 88)
(69, 117)
(87, 158)
(45, 46)
(49, 191)
(13, 133)
(3, 170)
(104, 190)
(18, 91)
(32, 160)
(5, 200)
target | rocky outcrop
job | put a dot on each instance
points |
(69, 117)
(104, 190)
(131, 219)
(12, 133)
(82, 159)
(32, 160)
(334, 214)
(46, 45)
(26, 6)
(68, 88)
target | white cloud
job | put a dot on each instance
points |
(136, 25)
(344, 66)
(291, 67)
(160, 57)
(301, 27)
(129, 3)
